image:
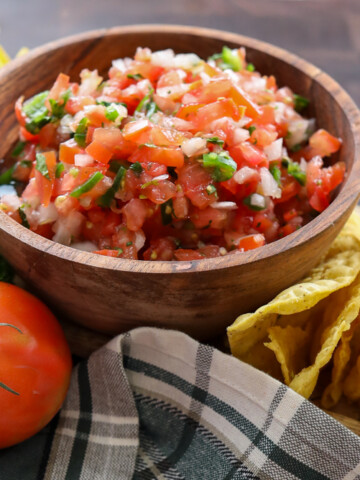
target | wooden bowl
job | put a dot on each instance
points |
(199, 297)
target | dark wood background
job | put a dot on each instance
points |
(324, 32)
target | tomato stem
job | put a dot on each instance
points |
(9, 325)
(8, 389)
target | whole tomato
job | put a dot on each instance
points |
(35, 365)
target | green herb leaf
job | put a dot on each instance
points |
(231, 59)
(222, 165)
(250, 67)
(251, 129)
(295, 171)
(36, 112)
(250, 202)
(128, 244)
(6, 177)
(276, 173)
(80, 133)
(147, 105)
(58, 107)
(59, 169)
(23, 217)
(215, 141)
(87, 186)
(136, 76)
(300, 102)
(106, 199)
(166, 212)
(111, 113)
(211, 189)
(136, 168)
(18, 149)
(107, 104)
(41, 165)
(26, 163)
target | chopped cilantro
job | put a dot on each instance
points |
(300, 102)
(136, 76)
(215, 140)
(231, 59)
(59, 169)
(80, 133)
(41, 165)
(250, 67)
(128, 244)
(252, 204)
(136, 168)
(58, 107)
(106, 199)
(295, 171)
(210, 189)
(222, 165)
(111, 113)
(6, 177)
(276, 173)
(251, 129)
(87, 186)
(147, 105)
(18, 149)
(36, 112)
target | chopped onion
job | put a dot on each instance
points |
(119, 64)
(139, 240)
(224, 205)
(90, 80)
(85, 201)
(192, 146)
(11, 200)
(69, 227)
(83, 160)
(163, 58)
(173, 91)
(258, 200)
(279, 111)
(160, 178)
(303, 164)
(268, 183)
(47, 214)
(245, 174)
(274, 150)
(186, 60)
(84, 246)
(243, 121)
(240, 135)
(298, 132)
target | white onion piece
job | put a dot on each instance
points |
(243, 121)
(172, 91)
(279, 111)
(303, 164)
(84, 246)
(83, 160)
(298, 132)
(268, 183)
(224, 205)
(69, 227)
(245, 174)
(160, 178)
(119, 64)
(192, 146)
(85, 201)
(240, 135)
(12, 201)
(139, 240)
(90, 80)
(47, 214)
(163, 58)
(186, 60)
(258, 200)
(274, 150)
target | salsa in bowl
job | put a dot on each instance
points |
(169, 157)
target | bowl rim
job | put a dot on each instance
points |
(311, 230)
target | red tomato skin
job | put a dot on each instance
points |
(35, 363)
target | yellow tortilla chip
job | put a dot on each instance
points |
(352, 383)
(289, 345)
(337, 319)
(264, 359)
(329, 276)
(342, 355)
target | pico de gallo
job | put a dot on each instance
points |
(169, 158)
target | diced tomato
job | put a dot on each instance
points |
(45, 182)
(61, 85)
(134, 131)
(135, 213)
(47, 135)
(20, 115)
(242, 99)
(246, 154)
(183, 254)
(98, 151)
(108, 253)
(169, 156)
(221, 108)
(113, 139)
(262, 222)
(68, 150)
(194, 180)
(287, 230)
(323, 143)
(27, 136)
(160, 249)
(208, 217)
(250, 242)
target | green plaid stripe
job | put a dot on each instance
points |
(156, 404)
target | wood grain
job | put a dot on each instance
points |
(199, 297)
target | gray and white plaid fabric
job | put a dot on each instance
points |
(156, 404)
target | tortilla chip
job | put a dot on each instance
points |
(264, 359)
(329, 276)
(289, 345)
(352, 383)
(338, 318)
(342, 355)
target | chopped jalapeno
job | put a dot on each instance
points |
(87, 186)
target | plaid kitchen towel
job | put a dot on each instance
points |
(156, 404)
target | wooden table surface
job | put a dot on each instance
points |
(324, 32)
